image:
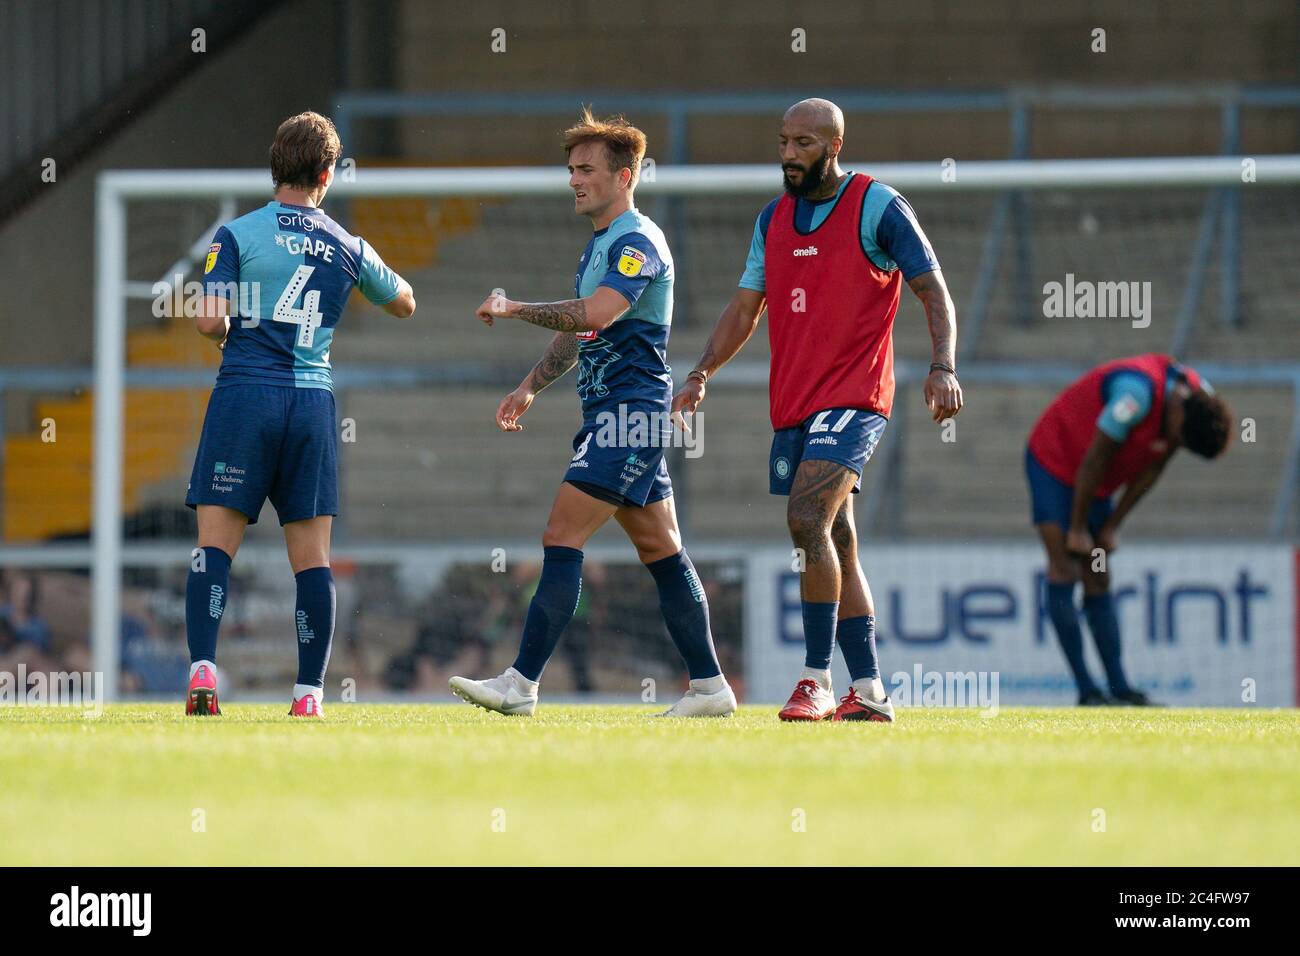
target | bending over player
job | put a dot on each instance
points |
(286, 271)
(1116, 426)
(616, 331)
(829, 257)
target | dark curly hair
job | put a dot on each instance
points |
(1207, 421)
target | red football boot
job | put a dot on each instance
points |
(307, 706)
(853, 707)
(202, 699)
(810, 701)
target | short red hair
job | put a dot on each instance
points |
(624, 143)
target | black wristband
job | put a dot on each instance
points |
(696, 373)
(940, 367)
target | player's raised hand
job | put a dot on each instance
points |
(495, 306)
(512, 407)
(942, 395)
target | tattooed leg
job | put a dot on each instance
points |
(855, 594)
(819, 490)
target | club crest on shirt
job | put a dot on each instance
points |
(1125, 409)
(212, 257)
(630, 261)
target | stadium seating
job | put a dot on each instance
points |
(443, 470)
(47, 485)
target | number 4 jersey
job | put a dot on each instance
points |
(287, 271)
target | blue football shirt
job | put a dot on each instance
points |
(287, 271)
(627, 361)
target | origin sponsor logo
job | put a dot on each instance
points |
(305, 223)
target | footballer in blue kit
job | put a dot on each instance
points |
(616, 332)
(275, 284)
(622, 369)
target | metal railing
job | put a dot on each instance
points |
(115, 189)
(885, 496)
(1221, 217)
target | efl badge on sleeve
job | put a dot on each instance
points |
(630, 261)
(212, 257)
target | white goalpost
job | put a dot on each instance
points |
(117, 189)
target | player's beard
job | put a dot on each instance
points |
(813, 176)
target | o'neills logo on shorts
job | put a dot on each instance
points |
(806, 251)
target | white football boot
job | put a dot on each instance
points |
(512, 693)
(699, 703)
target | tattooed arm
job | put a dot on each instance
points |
(942, 390)
(591, 314)
(560, 356)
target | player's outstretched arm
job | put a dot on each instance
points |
(382, 286)
(589, 314)
(403, 306)
(942, 390)
(732, 331)
(560, 356)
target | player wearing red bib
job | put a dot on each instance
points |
(1117, 426)
(828, 259)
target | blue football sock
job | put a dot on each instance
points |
(205, 601)
(1065, 621)
(550, 610)
(857, 639)
(686, 612)
(819, 633)
(315, 624)
(1100, 611)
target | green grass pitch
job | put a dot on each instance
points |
(433, 784)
